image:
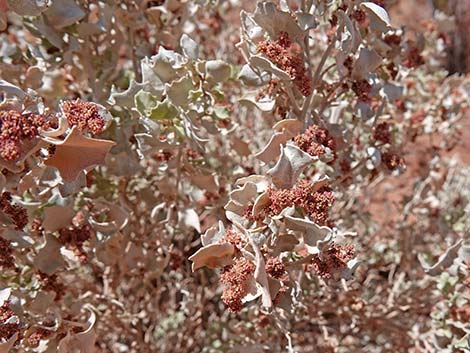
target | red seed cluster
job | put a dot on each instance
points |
(392, 160)
(233, 238)
(84, 115)
(17, 214)
(362, 89)
(360, 16)
(234, 277)
(7, 259)
(382, 132)
(248, 214)
(16, 127)
(5, 312)
(40, 334)
(7, 330)
(51, 283)
(315, 203)
(334, 259)
(275, 268)
(163, 156)
(413, 58)
(288, 57)
(314, 141)
(76, 237)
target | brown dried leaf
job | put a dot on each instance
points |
(77, 153)
(57, 217)
(213, 256)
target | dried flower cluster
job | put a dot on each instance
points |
(175, 173)
(235, 278)
(84, 115)
(16, 214)
(288, 56)
(314, 141)
(315, 203)
(15, 128)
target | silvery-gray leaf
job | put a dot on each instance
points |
(4, 295)
(312, 232)
(63, 13)
(149, 75)
(250, 28)
(275, 21)
(464, 253)
(213, 234)
(48, 32)
(290, 165)
(262, 182)
(178, 91)
(264, 104)
(11, 89)
(218, 70)
(189, 47)
(190, 218)
(260, 203)
(166, 64)
(268, 65)
(125, 98)
(28, 7)
(379, 19)
(251, 78)
(374, 158)
(445, 260)
(347, 272)
(272, 150)
(369, 60)
(350, 41)
(306, 20)
(392, 91)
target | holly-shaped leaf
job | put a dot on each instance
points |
(77, 153)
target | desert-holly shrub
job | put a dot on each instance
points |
(196, 176)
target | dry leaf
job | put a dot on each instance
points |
(77, 153)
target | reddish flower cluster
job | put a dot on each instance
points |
(163, 156)
(6, 254)
(288, 57)
(382, 132)
(360, 16)
(17, 214)
(392, 160)
(334, 259)
(50, 283)
(15, 128)
(7, 330)
(268, 90)
(233, 238)
(413, 58)
(315, 203)
(314, 141)
(84, 115)
(5, 312)
(38, 335)
(234, 277)
(76, 236)
(392, 39)
(248, 214)
(275, 267)
(362, 89)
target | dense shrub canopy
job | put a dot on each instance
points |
(225, 176)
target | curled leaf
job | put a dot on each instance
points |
(213, 256)
(290, 165)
